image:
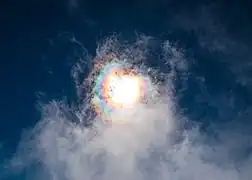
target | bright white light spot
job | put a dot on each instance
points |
(124, 90)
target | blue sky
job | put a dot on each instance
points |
(42, 41)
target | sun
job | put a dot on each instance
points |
(124, 90)
(122, 87)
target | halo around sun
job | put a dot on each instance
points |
(117, 86)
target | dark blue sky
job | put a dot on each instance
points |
(36, 55)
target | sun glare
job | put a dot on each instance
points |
(124, 90)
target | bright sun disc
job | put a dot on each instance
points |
(122, 87)
(123, 90)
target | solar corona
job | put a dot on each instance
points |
(117, 86)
